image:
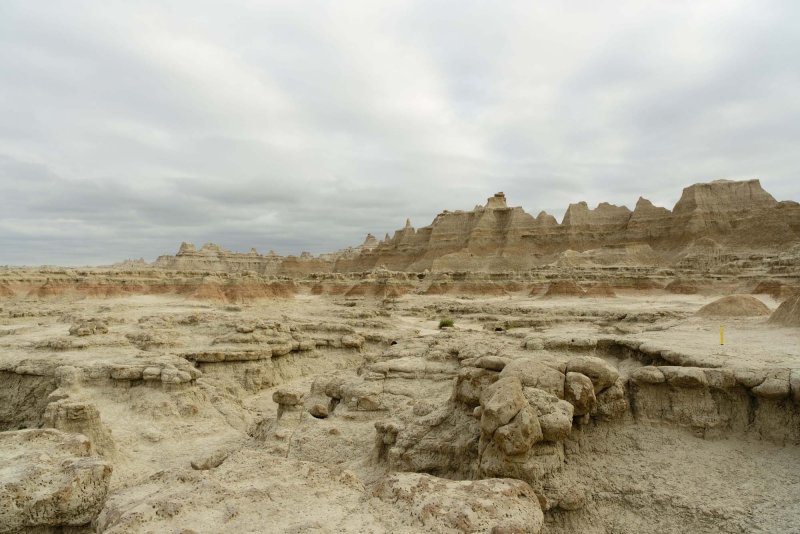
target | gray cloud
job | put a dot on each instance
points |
(130, 127)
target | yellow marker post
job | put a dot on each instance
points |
(722, 334)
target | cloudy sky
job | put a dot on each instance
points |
(128, 127)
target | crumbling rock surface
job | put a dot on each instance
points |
(450, 506)
(49, 478)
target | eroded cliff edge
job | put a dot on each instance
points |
(711, 223)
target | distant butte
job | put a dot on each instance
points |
(731, 217)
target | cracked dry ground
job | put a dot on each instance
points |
(318, 414)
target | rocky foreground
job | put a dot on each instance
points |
(718, 225)
(493, 372)
(553, 413)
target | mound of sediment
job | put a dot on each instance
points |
(601, 290)
(734, 306)
(683, 287)
(564, 288)
(788, 313)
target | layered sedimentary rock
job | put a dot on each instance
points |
(711, 223)
(719, 215)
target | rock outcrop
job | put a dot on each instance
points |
(455, 506)
(709, 220)
(49, 478)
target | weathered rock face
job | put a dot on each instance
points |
(491, 505)
(732, 215)
(48, 478)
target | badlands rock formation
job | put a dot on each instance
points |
(712, 223)
(581, 387)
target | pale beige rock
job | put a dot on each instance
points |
(532, 373)
(501, 402)
(408, 399)
(648, 375)
(520, 433)
(289, 396)
(555, 415)
(749, 378)
(470, 382)
(601, 373)
(612, 403)
(579, 391)
(772, 388)
(319, 410)
(80, 417)
(49, 478)
(684, 377)
(450, 506)
(210, 461)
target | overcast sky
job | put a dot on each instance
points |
(128, 127)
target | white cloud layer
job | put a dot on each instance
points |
(128, 127)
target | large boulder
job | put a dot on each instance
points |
(49, 479)
(555, 415)
(579, 392)
(501, 402)
(600, 372)
(520, 433)
(536, 374)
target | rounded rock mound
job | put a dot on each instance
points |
(734, 306)
(683, 287)
(564, 288)
(788, 313)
